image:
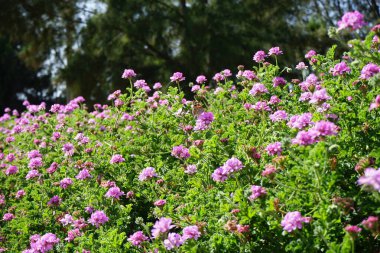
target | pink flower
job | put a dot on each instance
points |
(20, 194)
(259, 56)
(319, 96)
(12, 169)
(66, 182)
(147, 173)
(305, 138)
(162, 226)
(371, 223)
(43, 243)
(83, 174)
(261, 106)
(66, 220)
(219, 175)
(250, 75)
(278, 116)
(128, 73)
(375, 104)
(180, 152)
(114, 192)
(201, 79)
(8, 217)
(274, 148)
(218, 77)
(72, 234)
(174, 241)
(325, 128)
(157, 86)
(268, 171)
(140, 84)
(177, 77)
(35, 163)
(275, 51)
(369, 70)
(258, 89)
(300, 121)
(160, 202)
(278, 81)
(242, 228)
(257, 192)
(352, 229)
(191, 232)
(117, 159)
(191, 169)
(353, 20)
(310, 54)
(68, 149)
(195, 88)
(371, 179)
(32, 174)
(98, 218)
(204, 120)
(232, 165)
(340, 69)
(301, 65)
(54, 201)
(293, 220)
(137, 238)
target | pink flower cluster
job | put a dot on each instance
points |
(293, 221)
(180, 152)
(371, 179)
(232, 165)
(204, 120)
(42, 244)
(353, 20)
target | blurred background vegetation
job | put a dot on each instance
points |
(55, 50)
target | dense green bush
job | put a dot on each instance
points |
(258, 164)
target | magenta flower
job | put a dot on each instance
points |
(83, 174)
(114, 192)
(34, 154)
(191, 232)
(259, 56)
(35, 163)
(371, 179)
(353, 20)
(128, 73)
(157, 86)
(305, 138)
(293, 220)
(371, 223)
(201, 79)
(232, 165)
(300, 121)
(258, 89)
(66, 220)
(195, 88)
(274, 100)
(72, 234)
(261, 106)
(274, 148)
(268, 171)
(180, 152)
(310, 82)
(160, 202)
(301, 66)
(140, 84)
(340, 69)
(20, 194)
(219, 175)
(369, 71)
(32, 174)
(8, 217)
(325, 128)
(278, 81)
(275, 51)
(54, 201)
(68, 149)
(98, 218)
(375, 104)
(66, 182)
(177, 77)
(43, 243)
(162, 226)
(204, 121)
(12, 169)
(218, 77)
(117, 159)
(310, 54)
(257, 192)
(147, 173)
(174, 241)
(278, 116)
(137, 238)
(319, 96)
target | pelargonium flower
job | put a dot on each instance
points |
(325, 128)
(83, 174)
(242, 228)
(218, 77)
(369, 71)
(66, 182)
(201, 79)
(72, 234)
(278, 81)
(232, 165)
(55, 201)
(35, 163)
(375, 104)
(34, 154)
(268, 171)
(274, 148)
(68, 149)
(180, 152)
(98, 218)
(43, 243)
(261, 106)
(12, 169)
(275, 51)
(305, 96)
(219, 175)
(310, 54)
(305, 138)
(114, 192)
(128, 73)
(301, 66)
(352, 229)
(157, 86)
(66, 220)
(293, 220)
(259, 56)
(319, 96)
(20, 194)
(139, 84)
(195, 88)
(160, 202)
(8, 217)
(226, 73)
(249, 74)
(137, 238)
(177, 77)
(371, 179)
(117, 159)
(258, 89)
(353, 20)
(191, 169)
(191, 232)
(32, 174)
(279, 115)
(310, 82)
(162, 226)
(274, 100)
(340, 69)
(147, 173)
(300, 121)
(204, 120)
(257, 192)
(371, 223)
(174, 241)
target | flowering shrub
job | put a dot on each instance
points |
(258, 164)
